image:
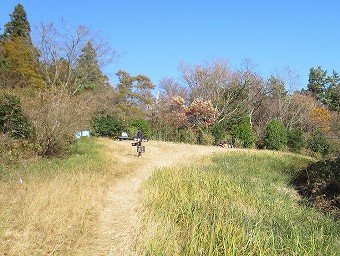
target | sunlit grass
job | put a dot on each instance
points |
(56, 207)
(240, 204)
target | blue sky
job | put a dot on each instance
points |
(153, 37)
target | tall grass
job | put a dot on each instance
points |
(239, 204)
(54, 211)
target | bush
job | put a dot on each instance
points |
(219, 131)
(55, 117)
(295, 140)
(107, 125)
(318, 143)
(13, 151)
(140, 124)
(12, 120)
(276, 135)
(320, 183)
(206, 139)
(335, 148)
(242, 133)
(186, 136)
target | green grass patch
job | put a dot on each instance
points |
(84, 155)
(240, 204)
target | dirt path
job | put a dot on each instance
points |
(120, 218)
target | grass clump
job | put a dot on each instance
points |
(240, 204)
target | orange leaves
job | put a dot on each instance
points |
(320, 118)
(199, 113)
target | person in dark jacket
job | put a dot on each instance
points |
(140, 136)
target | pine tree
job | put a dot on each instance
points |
(317, 83)
(19, 25)
(332, 98)
(19, 61)
(88, 72)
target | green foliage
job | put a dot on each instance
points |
(205, 138)
(12, 120)
(320, 184)
(317, 82)
(140, 124)
(219, 131)
(134, 94)
(276, 135)
(13, 151)
(276, 88)
(19, 25)
(325, 88)
(241, 131)
(335, 148)
(186, 136)
(333, 92)
(107, 125)
(89, 75)
(295, 140)
(318, 143)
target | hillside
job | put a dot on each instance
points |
(95, 203)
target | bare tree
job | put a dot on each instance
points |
(60, 49)
(170, 88)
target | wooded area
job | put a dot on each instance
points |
(53, 85)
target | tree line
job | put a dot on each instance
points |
(52, 85)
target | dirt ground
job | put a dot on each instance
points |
(120, 218)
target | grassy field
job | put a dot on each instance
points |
(55, 209)
(239, 203)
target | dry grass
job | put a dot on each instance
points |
(56, 208)
(239, 204)
(60, 208)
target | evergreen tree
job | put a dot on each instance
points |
(276, 135)
(332, 98)
(88, 72)
(242, 133)
(317, 83)
(19, 25)
(19, 61)
(318, 143)
(295, 140)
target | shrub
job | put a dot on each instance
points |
(276, 135)
(206, 139)
(318, 143)
(107, 125)
(140, 124)
(219, 131)
(320, 183)
(242, 133)
(55, 117)
(12, 120)
(335, 148)
(14, 150)
(295, 140)
(186, 136)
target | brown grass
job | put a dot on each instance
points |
(77, 210)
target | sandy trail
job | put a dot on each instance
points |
(120, 218)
